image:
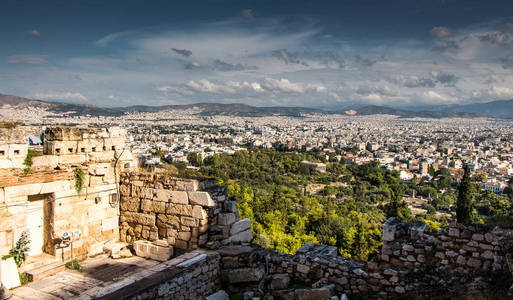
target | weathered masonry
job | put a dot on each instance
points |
(43, 199)
(180, 213)
(414, 268)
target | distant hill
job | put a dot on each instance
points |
(232, 109)
(58, 107)
(499, 109)
(385, 110)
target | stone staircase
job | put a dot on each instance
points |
(42, 266)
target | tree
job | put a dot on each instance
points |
(431, 170)
(465, 195)
(194, 159)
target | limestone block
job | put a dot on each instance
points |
(201, 198)
(178, 197)
(12, 192)
(230, 206)
(189, 221)
(137, 218)
(226, 219)
(241, 237)
(314, 294)
(72, 159)
(219, 295)
(147, 193)
(95, 180)
(9, 275)
(179, 209)
(244, 274)
(100, 156)
(199, 213)
(93, 215)
(56, 186)
(184, 235)
(110, 223)
(478, 237)
(279, 281)
(6, 163)
(239, 226)
(189, 185)
(45, 161)
(99, 169)
(129, 204)
(388, 232)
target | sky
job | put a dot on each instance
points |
(329, 54)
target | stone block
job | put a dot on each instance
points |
(150, 250)
(201, 198)
(45, 161)
(303, 269)
(190, 185)
(478, 237)
(110, 223)
(239, 226)
(178, 197)
(74, 159)
(244, 274)
(9, 275)
(226, 219)
(129, 204)
(137, 218)
(189, 221)
(199, 213)
(179, 209)
(279, 281)
(184, 235)
(389, 229)
(314, 294)
(147, 193)
(230, 206)
(241, 237)
(219, 295)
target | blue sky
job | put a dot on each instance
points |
(310, 53)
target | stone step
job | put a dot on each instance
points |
(39, 261)
(46, 270)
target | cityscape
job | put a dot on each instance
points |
(259, 151)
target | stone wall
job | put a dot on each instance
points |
(194, 275)
(157, 207)
(413, 262)
(466, 249)
(45, 197)
(14, 145)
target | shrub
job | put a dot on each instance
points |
(25, 278)
(74, 264)
(79, 178)
(19, 252)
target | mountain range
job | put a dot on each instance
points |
(497, 109)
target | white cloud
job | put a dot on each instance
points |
(441, 31)
(494, 92)
(59, 96)
(282, 85)
(434, 97)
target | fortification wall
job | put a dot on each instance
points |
(43, 199)
(157, 207)
(466, 249)
(457, 259)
